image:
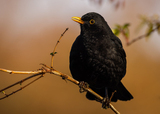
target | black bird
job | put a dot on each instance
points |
(98, 58)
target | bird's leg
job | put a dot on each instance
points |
(106, 100)
(82, 86)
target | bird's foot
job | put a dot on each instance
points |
(82, 86)
(105, 103)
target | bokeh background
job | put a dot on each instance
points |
(29, 30)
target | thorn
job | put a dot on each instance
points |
(10, 73)
(42, 64)
(64, 78)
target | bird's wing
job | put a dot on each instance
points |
(77, 60)
(119, 44)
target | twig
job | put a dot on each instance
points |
(142, 36)
(64, 76)
(87, 89)
(54, 51)
(20, 72)
(46, 69)
(19, 82)
(35, 73)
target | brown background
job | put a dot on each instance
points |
(28, 32)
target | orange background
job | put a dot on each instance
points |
(28, 33)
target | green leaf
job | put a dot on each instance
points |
(126, 32)
(144, 18)
(144, 21)
(149, 30)
(116, 31)
(118, 27)
(126, 25)
(53, 53)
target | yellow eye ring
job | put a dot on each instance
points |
(92, 21)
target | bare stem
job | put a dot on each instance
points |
(142, 36)
(7, 95)
(41, 72)
(54, 51)
(64, 76)
(20, 72)
(20, 82)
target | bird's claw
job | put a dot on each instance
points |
(105, 103)
(82, 86)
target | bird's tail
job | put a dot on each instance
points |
(122, 93)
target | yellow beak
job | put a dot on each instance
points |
(78, 19)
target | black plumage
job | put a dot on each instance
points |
(98, 58)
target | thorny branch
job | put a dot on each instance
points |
(40, 73)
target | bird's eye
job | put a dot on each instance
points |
(92, 21)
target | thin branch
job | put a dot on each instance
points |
(54, 51)
(20, 72)
(19, 82)
(35, 73)
(44, 70)
(64, 76)
(142, 36)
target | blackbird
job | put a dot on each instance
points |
(98, 58)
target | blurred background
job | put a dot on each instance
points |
(29, 30)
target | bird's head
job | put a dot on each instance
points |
(93, 23)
